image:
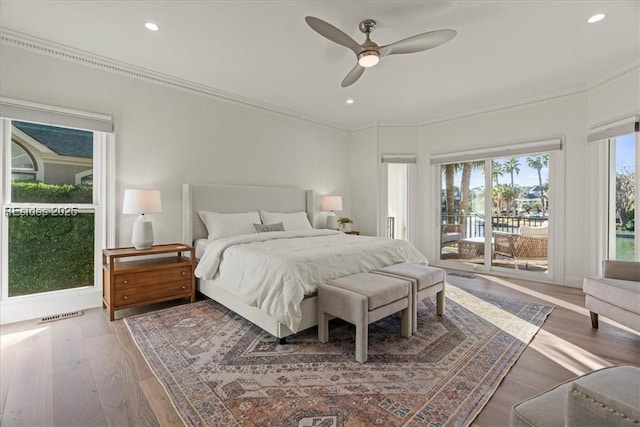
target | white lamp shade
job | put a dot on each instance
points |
(141, 202)
(332, 203)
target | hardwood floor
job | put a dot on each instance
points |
(86, 371)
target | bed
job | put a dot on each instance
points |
(281, 299)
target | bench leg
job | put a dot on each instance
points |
(323, 327)
(406, 328)
(440, 303)
(362, 341)
(414, 307)
(594, 320)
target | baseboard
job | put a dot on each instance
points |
(30, 307)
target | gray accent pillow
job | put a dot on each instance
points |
(264, 228)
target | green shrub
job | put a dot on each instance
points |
(47, 252)
(38, 192)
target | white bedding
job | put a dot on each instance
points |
(274, 271)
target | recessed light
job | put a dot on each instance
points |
(596, 18)
(151, 26)
(350, 101)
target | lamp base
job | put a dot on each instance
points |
(142, 237)
(332, 221)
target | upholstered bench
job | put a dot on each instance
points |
(607, 397)
(425, 282)
(362, 299)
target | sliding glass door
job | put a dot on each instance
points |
(463, 212)
(397, 200)
(494, 213)
(398, 173)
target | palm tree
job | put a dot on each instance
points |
(508, 194)
(496, 197)
(449, 173)
(465, 184)
(538, 162)
(497, 170)
(511, 165)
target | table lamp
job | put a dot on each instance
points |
(142, 202)
(332, 203)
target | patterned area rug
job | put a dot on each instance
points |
(221, 370)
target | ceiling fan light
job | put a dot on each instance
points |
(596, 18)
(368, 58)
(151, 26)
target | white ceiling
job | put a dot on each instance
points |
(505, 51)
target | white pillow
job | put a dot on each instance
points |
(526, 230)
(226, 225)
(292, 221)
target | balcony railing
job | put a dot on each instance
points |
(473, 225)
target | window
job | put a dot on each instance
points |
(494, 210)
(613, 158)
(85, 177)
(52, 226)
(23, 166)
(623, 178)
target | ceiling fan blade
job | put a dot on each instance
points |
(418, 42)
(353, 75)
(334, 34)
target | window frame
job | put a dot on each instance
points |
(555, 148)
(600, 164)
(25, 307)
(412, 185)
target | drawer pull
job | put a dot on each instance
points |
(184, 273)
(183, 288)
(125, 297)
(124, 282)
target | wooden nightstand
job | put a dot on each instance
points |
(132, 277)
(357, 233)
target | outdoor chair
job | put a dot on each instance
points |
(529, 244)
(451, 233)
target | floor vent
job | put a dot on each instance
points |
(465, 275)
(60, 316)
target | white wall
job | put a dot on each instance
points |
(568, 117)
(364, 180)
(618, 98)
(166, 136)
(564, 118)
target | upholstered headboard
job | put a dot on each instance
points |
(238, 198)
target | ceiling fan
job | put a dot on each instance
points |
(369, 53)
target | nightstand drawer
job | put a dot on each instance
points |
(134, 277)
(134, 295)
(155, 277)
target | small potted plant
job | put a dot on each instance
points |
(345, 223)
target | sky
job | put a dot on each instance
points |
(625, 152)
(526, 178)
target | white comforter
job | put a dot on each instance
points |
(274, 271)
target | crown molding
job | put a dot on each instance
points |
(615, 75)
(46, 47)
(540, 99)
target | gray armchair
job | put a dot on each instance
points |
(615, 295)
